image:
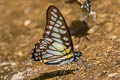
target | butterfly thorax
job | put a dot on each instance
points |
(77, 56)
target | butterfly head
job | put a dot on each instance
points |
(77, 56)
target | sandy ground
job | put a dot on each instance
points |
(22, 23)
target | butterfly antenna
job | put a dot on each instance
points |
(81, 62)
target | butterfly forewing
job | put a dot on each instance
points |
(56, 27)
(56, 40)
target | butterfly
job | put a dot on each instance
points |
(55, 47)
(85, 6)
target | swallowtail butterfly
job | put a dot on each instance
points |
(55, 47)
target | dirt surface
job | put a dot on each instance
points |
(22, 23)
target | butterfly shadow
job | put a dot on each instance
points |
(52, 74)
(79, 28)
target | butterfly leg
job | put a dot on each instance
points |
(94, 15)
(95, 27)
(63, 73)
(81, 62)
(76, 68)
(75, 71)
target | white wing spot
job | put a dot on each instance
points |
(50, 27)
(56, 35)
(61, 18)
(52, 23)
(55, 10)
(58, 40)
(65, 38)
(63, 27)
(62, 31)
(48, 39)
(42, 47)
(57, 25)
(67, 44)
(43, 53)
(53, 18)
(59, 22)
(55, 15)
(55, 29)
(43, 42)
(47, 32)
(51, 47)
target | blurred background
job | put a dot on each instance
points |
(22, 23)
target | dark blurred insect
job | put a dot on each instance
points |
(85, 5)
(55, 47)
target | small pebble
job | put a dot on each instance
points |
(6, 68)
(19, 53)
(112, 75)
(109, 27)
(112, 37)
(27, 22)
